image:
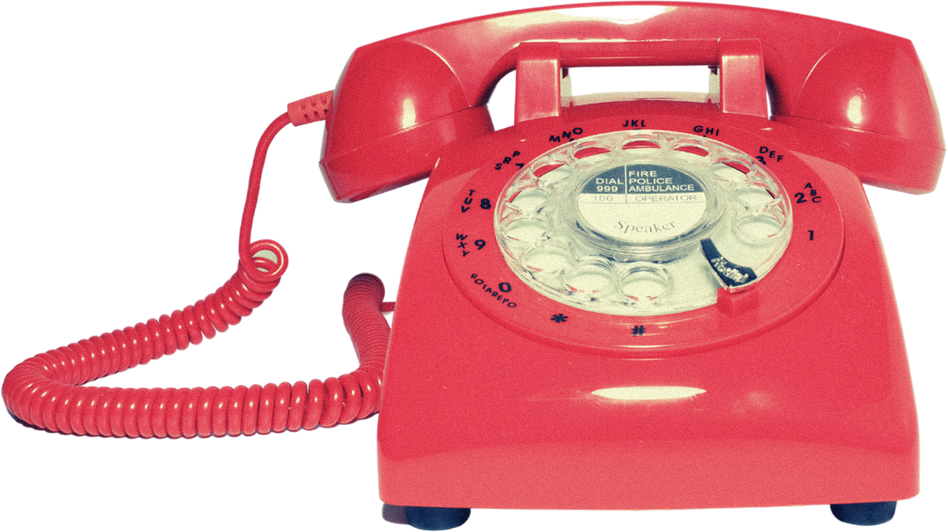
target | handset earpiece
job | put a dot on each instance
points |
(871, 95)
(395, 107)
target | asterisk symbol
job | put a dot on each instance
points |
(559, 318)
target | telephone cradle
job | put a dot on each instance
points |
(623, 301)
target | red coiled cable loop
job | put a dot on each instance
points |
(46, 390)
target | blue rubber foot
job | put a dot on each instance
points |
(426, 519)
(864, 516)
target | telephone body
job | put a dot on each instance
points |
(543, 394)
(548, 352)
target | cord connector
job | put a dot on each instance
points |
(310, 109)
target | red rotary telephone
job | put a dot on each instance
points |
(620, 302)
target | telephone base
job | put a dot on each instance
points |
(571, 332)
(793, 392)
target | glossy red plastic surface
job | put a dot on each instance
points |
(781, 395)
(811, 409)
(450, 71)
(795, 391)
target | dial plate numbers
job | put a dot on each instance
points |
(650, 239)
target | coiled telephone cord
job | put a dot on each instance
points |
(47, 390)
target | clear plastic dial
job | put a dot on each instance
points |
(642, 223)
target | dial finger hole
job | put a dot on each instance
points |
(754, 198)
(530, 200)
(547, 260)
(643, 148)
(589, 277)
(526, 230)
(590, 153)
(757, 229)
(645, 283)
(729, 172)
(690, 152)
(547, 168)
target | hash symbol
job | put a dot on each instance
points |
(559, 318)
(638, 330)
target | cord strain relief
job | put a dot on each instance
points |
(310, 109)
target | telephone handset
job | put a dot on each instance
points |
(644, 265)
(438, 80)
